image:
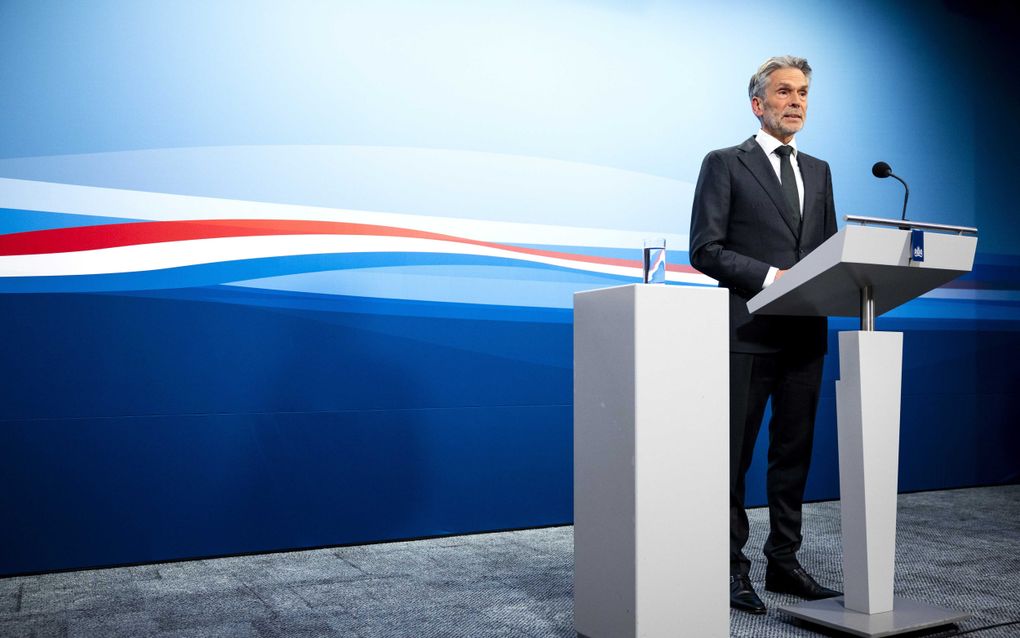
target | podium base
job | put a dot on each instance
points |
(907, 615)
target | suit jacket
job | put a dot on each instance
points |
(741, 225)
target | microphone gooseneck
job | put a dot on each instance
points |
(883, 170)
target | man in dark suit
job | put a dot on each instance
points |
(759, 208)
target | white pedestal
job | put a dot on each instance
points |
(868, 419)
(651, 435)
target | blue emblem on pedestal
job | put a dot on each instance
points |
(916, 245)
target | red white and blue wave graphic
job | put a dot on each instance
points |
(188, 242)
(70, 238)
(150, 246)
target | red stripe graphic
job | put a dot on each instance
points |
(63, 240)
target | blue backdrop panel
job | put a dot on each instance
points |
(165, 434)
(100, 491)
(408, 426)
(172, 397)
(110, 355)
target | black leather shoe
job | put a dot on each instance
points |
(743, 597)
(797, 582)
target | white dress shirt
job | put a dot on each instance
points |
(769, 144)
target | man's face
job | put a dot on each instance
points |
(784, 108)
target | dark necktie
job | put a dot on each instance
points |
(789, 182)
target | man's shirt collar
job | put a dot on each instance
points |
(769, 144)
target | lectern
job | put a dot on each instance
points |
(868, 270)
(651, 470)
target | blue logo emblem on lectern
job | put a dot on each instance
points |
(916, 245)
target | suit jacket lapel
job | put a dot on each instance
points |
(754, 158)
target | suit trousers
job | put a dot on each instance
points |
(792, 380)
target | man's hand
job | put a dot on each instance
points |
(779, 275)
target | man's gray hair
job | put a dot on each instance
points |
(761, 77)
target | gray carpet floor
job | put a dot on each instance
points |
(958, 549)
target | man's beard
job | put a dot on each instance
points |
(775, 122)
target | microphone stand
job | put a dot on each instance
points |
(906, 194)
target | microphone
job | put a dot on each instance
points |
(883, 170)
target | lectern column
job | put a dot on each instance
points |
(651, 464)
(868, 418)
